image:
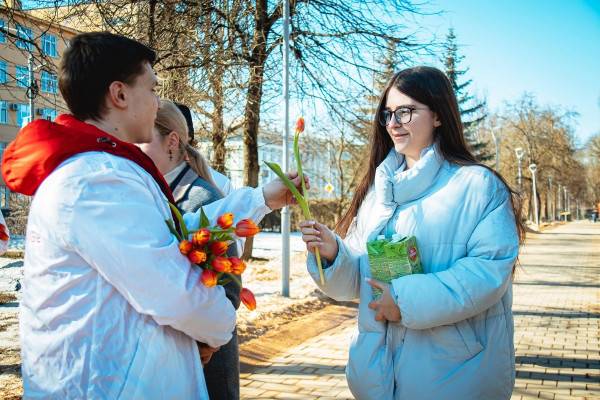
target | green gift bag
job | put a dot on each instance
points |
(391, 259)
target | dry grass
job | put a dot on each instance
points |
(7, 297)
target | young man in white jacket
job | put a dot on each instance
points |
(110, 307)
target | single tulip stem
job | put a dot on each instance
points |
(304, 203)
(235, 279)
(320, 265)
(303, 206)
(299, 164)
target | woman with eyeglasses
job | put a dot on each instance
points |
(446, 333)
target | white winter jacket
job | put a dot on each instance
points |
(110, 308)
(455, 338)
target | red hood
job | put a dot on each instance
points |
(41, 146)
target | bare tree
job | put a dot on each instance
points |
(546, 135)
(591, 156)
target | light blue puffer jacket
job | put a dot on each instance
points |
(455, 339)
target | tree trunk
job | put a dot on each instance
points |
(252, 120)
(151, 23)
(254, 95)
(218, 130)
(252, 115)
(218, 139)
(253, 101)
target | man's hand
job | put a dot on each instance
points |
(277, 195)
(206, 352)
(386, 307)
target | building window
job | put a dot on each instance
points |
(49, 45)
(2, 72)
(26, 37)
(3, 112)
(49, 82)
(22, 76)
(2, 34)
(23, 114)
(48, 113)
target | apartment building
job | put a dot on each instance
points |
(30, 50)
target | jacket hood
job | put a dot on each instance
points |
(41, 146)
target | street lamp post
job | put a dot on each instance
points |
(549, 210)
(558, 201)
(520, 153)
(285, 212)
(565, 202)
(533, 169)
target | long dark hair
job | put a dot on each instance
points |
(431, 87)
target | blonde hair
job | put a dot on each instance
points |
(170, 119)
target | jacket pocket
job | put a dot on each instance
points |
(472, 345)
(370, 369)
(455, 342)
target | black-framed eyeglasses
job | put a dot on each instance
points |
(403, 115)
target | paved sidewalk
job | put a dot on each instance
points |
(557, 330)
(312, 370)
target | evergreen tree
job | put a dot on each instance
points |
(472, 110)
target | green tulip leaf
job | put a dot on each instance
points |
(204, 222)
(171, 226)
(288, 183)
(184, 231)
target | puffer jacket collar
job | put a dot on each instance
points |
(395, 185)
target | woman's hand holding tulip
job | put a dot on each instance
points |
(319, 236)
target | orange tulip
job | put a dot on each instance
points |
(300, 125)
(218, 248)
(209, 278)
(225, 220)
(246, 228)
(248, 299)
(237, 266)
(185, 247)
(197, 256)
(221, 264)
(201, 237)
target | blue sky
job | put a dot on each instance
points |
(549, 48)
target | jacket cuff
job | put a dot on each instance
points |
(258, 198)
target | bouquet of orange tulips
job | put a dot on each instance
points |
(207, 248)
